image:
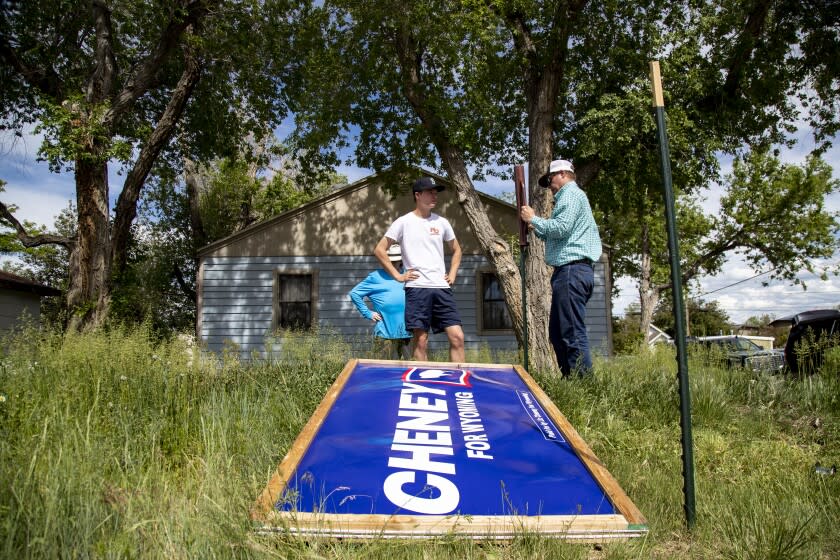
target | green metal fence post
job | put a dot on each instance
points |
(676, 291)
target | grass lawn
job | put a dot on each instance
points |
(115, 445)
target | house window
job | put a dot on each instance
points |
(494, 312)
(294, 301)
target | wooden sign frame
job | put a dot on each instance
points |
(624, 522)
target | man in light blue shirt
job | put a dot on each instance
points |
(572, 246)
(391, 339)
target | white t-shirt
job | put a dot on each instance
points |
(421, 242)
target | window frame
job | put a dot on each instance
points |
(479, 295)
(275, 296)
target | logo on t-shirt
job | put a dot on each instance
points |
(433, 230)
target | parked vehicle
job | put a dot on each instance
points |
(811, 333)
(739, 351)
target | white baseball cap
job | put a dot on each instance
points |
(556, 165)
(394, 253)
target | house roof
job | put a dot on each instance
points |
(17, 283)
(351, 220)
(655, 334)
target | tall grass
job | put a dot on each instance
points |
(115, 444)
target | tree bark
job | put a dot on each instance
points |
(492, 244)
(541, 101)
(649, 300)
(89, 289)
(648, 293)
(193, 180)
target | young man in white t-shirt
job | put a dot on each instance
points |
(429, 303)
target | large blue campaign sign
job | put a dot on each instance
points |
(400, 446)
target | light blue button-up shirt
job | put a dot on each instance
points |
(570, 234)
(388, 299)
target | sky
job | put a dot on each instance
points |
(41, 195)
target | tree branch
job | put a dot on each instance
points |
(45, 80)
(34, 240)
(126, 209)
(741, 54)
(145, 76)
(522, 40)
(182, 283)
(565, 19)
(101, 82)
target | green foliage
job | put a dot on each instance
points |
(244, 48)
(355, 45)
(705, 318)
(239, 193)
(810, 350)
(120, 81)
(148, 289)
(763, 199)
(229, 196)
(71, 129)
(627, 338)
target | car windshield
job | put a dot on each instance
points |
(740, 345)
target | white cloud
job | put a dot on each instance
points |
(740, 292)
(41, 208)
(743, 294)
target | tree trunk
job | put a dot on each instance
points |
(648, 298)
(542, 95)
(648, 293)
(687, 321)
(193, 182)
(492, 244)
(89, 290)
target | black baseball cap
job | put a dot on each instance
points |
(426, 184)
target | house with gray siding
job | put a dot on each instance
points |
(297, 269)
(20, 297)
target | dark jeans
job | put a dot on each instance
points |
(571, 288)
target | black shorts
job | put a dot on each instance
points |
(430, 309)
